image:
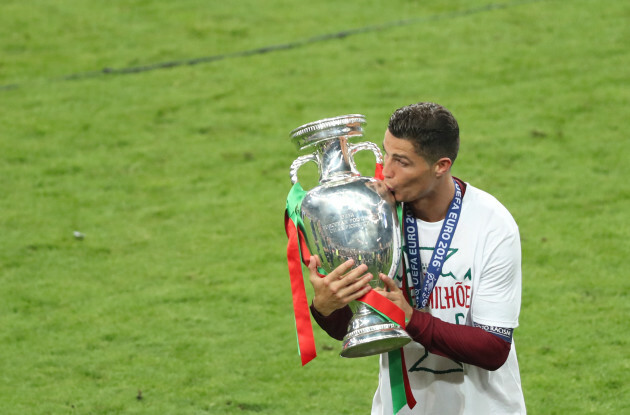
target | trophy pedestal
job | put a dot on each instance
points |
(369, 333)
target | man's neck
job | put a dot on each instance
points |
(434, 206)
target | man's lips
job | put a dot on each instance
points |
(391, 190)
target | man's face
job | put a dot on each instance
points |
(407, 175)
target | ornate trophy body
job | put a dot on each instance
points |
(350, 216)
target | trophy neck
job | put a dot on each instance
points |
(334, 160)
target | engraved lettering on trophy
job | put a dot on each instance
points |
(349, 221)
(342, 224)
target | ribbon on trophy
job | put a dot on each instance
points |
(298, 253)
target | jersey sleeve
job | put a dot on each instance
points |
(497, 300)
(336, 324)
(464, 344)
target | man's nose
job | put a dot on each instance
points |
(387, 172)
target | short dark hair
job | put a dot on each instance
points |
(431, 128)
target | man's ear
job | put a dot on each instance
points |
(442, 166)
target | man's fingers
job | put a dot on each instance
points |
(361, 283)
(361, 292)
(390, 284)
(339, 272)
(343, 277)
(354, 274)
(312, 264)
(358, 288)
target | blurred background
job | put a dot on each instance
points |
(144, 168)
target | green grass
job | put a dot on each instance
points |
(178, 177)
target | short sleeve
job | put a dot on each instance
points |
(497, 300)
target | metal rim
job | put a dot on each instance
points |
(316, 131)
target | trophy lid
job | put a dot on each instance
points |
(328, 128)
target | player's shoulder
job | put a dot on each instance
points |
(482, 204)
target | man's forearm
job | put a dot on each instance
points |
(335, 324)
(464, 344)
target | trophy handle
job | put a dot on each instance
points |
(299, 162)
(366, 145)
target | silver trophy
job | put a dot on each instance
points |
(350, 216)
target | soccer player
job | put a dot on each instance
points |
(462, 275)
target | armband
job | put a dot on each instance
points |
(501, 332)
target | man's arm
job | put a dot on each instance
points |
(465, 344)
(335, 324)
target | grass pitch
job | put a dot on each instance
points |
(159, 131)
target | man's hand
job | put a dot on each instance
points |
(340, 287)
(395, 295)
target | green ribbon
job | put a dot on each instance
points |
(294, 204)
(396, 381)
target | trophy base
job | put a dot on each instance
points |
(374, 340)
(370, 333)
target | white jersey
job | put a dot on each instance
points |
(481, 283)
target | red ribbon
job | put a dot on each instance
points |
(411, 401)
(384, 306)
(306, 340)
(378, 172)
